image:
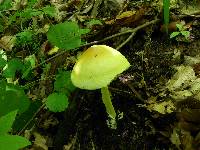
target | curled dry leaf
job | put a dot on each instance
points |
(183, 76)
(7, 42)
(40, 142)
(184, 84)
(164, 107)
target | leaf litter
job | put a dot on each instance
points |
(160, 103)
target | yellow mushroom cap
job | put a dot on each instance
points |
(97, 67)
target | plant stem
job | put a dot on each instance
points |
(166, 7)
(107, 102)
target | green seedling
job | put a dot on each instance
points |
(166, 9)
(95, 69)
(182, 30)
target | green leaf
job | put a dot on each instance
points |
(25, 36)
(31, 3)
(30, 12)
(93, 22)
(5, 5)
(1, 28)
(31, 59)
(84, 31)
(30, 62)
(63, 82)
(186, 34)
(65, 35)
(2, 61)
(13, 142)
(13, 66)
(13, 17)
(13, 98)
(179, 26)
(22, 119)
(6, 122)
(50, 11)
(24, 15)
(174, 34)
(2, 87)
(27, 70)
(57, 102)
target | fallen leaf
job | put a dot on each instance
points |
(7, 42)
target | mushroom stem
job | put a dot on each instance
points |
(107, 102)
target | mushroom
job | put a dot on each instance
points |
(96, 68)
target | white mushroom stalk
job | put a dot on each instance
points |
(96, 68)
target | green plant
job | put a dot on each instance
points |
(93, 22)
(8, 141)
(24, 37)
(16, 65)
(20, 55)
(4, 5)
(28, 25)
(29, 12)
(95, 69)
(13, 101)
(66, 35)
(12, 97)
(166, 8)
(182, 30)
(58, 100)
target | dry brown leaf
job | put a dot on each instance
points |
(7, 42)
(40, 142)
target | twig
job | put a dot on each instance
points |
(105, 39)
(119, 91)
(126, 41)
(135, 92)
(94, 12)
(192, 14)
(26, 86)
(195, 14)
(49, 59)
(27, 124)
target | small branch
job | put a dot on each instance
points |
(122, 33)
(49, 59)
(94, 12)
(135, 92)
(193, 14)
(27, 124)
(116, 90)
(133, 31)
(126, 41)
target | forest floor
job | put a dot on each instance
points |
(159, 94)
